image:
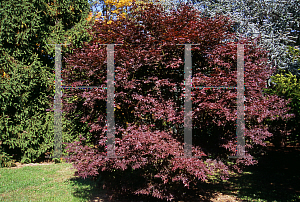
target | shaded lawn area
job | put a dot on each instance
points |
(275, 178)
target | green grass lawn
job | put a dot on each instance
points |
(55, 182)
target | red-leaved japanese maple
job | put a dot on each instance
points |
(149, 114)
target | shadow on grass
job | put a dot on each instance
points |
(90, 190)
(190, 195)
(275, 178)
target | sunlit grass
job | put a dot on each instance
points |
(53, 182)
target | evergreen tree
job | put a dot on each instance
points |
(27, 67)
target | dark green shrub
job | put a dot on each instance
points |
(26, 128)
(6, 160)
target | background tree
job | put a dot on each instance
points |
(277, 23)
(152, 66)
(27, 69)
(114, 9)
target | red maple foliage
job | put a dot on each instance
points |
(149, 69)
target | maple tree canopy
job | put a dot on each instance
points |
(149, 82)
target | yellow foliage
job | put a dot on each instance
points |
(4, 75)
(90, 16)
(117, 9)
(123, 15)
(286, 83)
(294, 52)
